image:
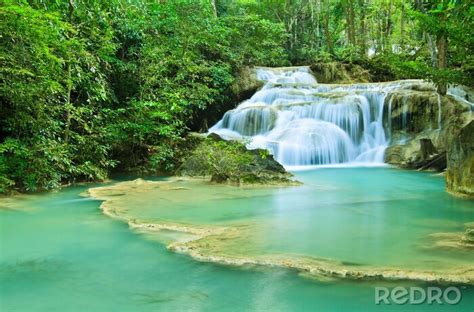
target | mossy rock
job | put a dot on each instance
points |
(246, 83)
(231, 162)
(337, 72)
(413, 111)
(460, 171)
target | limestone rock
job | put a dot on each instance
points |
(414, 111)
(246, 83)
(336, 72)
(427, 149)
(469, 236)
(460, 171)
(422, 126)
(401, 155)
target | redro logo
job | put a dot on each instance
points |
(417, 295)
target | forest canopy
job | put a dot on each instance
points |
(92, 86)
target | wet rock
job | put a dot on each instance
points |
(469, 236)
(401, 155)
(336, 72)
(422, 126)
(452, 240)
(417, 153)
(460, 171)
(246, 83)
(250, 121)
(414, 111)
(427, 149)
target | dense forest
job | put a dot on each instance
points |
(89, 87)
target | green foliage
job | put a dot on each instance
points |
(187, 61)
(222, 160)
(263, 153)
(391, 38)
(452, 19)
(51, 92)
(88, 86)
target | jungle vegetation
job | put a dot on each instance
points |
(92, 86)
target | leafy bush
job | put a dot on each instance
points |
(222, 160)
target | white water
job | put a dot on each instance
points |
(461, 95)
(439, 112)
(304, 123)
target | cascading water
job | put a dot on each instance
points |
(305, 123)
(439, 112)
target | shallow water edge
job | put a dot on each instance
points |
(203, 245)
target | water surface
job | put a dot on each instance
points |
(60, 253)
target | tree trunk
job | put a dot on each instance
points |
(363, 30)
(214, 7)
(314, 28)
(350, 27)
(71, 10)
(327, 32)
(402, 26)
(68, 105)
(388, 27)
(420, 6)
(433, 51)
(442, 44)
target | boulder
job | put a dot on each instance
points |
(460, 162)
(231, 162)
(245, 84)
(336, 72)
(427, 149)
(422, 126)
(414, 111)
(401, 155)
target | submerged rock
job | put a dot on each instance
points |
(453, 240)
(460, 171)
(469, 236)
(147, 205)
(230, 161)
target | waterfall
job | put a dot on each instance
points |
(461, 95)
(439, 112)
(389, 118)
(305, 123)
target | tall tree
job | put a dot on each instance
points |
(350, 21)
(362, 28)
(326, 25)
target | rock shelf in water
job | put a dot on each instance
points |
(214, 242)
